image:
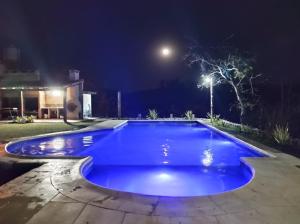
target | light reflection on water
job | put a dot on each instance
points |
(87, 140)
(207, 158)
(58, 143)
(59, 146)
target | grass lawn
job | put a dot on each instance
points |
(9, 131)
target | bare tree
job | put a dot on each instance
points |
(234, 70)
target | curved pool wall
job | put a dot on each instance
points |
(153, 158)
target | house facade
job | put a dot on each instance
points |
(28, 93)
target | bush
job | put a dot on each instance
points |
(29, 119)
(19, 120)
(23, 120)
(189, 115)
(281, 134)
(152, 115)
(215, 119)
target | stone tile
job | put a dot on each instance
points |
(109, 124)
(124, 204)
(187, 207)
(254, 197)
(292, 195)
(229, 202)
(148, 200)
(143, 219)
(56, 212)
(95, 215)
(10, 189)
(279, 215)
(18, 209)
(44, 191)
(80, 193)
(131, 206)
(195, 220)
(248, 217)
(289, 159)
(62, 198)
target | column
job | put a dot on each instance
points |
(22, 103)
(0, 104)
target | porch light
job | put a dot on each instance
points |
(56, 92)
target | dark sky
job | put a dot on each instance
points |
(114, 43)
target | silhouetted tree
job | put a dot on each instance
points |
(234, 70)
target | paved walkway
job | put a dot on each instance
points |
(56, 193)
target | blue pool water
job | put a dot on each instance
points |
(153, 158)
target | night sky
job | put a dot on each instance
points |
(115, 43)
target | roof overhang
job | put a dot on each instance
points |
(90, 92)
(30, 87)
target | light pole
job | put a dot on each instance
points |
(208, 80)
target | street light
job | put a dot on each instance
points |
(208, 80)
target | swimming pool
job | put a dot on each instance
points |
(153, 157)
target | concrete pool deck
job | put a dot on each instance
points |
(56, 193)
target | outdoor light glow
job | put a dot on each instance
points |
(56, 92)
(207, 79)
(58, 143)
(164, 176)
(165, 51)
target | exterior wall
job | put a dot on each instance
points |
(87, 105)
(29, 93)
(0, 104)
(41, 102)
(50, 100)
(53, 99)
(73, 101)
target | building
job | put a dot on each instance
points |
(29, 93)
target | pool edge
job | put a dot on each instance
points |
(94, 129)
(255, 148)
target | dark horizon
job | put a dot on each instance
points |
(115, 44)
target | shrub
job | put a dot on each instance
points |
(247, 129)
(281, 134)
(19, 120)
(29, 119)
(152, 115)
(23, 120)
(189, 115)
(213, 118)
